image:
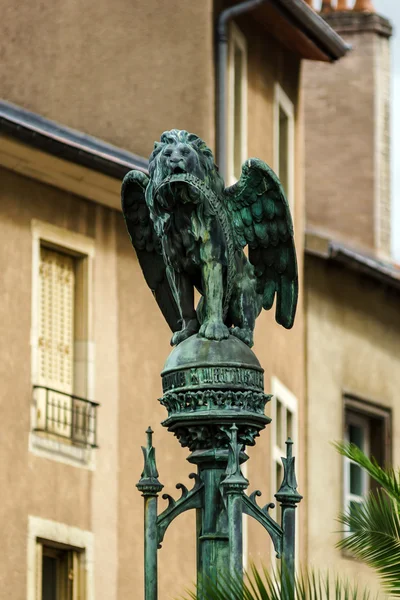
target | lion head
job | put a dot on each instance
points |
(182, 152)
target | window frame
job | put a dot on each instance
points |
(43, 532)
(291, 404)
(361, 411)
(283, 102)
(81, 248)
(236, 40)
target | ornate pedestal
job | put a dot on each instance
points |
(213, 392)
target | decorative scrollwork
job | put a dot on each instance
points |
(265, 509)
(189, 499)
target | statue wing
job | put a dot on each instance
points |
(261, 219)
(148, 245)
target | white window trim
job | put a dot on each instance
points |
(236, 38)
(364, 422)
(62, 534)
(282, 101)
(289, 401)
(80, 246)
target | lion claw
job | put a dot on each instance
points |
(243, 334)
(214, 330)
(179, 336)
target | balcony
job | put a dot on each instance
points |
(66, 417)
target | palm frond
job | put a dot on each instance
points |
(263, 585)
(387, 477)
(374, 537)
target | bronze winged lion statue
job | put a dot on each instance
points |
(189, 231)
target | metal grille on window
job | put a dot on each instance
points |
(56, 339)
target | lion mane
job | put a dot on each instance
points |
(211, 175)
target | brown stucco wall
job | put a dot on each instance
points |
(123, 72)
(281, 352)
(143, 348)
(340, 129)
(353, 340)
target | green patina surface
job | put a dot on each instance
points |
(189, 232)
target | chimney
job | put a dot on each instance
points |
(364, 6)
(326, 6)
(342, 5)
(347, 133)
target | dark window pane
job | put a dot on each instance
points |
(284, 149)
(237, 125)
(356, 480)
(356, 435)
(49, 578)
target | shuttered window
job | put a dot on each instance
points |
(56, 341)
(56, 319)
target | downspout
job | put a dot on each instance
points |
(222, 63)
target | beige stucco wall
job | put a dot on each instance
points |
(34, 485)
(353, 333)
(122, 71)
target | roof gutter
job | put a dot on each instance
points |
(294, 10)
(222, 75)
(315, 26)
(65, 143)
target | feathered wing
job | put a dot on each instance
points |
(147, 244)
(261, 219)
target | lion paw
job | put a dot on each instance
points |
(179, 336)
(245, 335)
(214, 330)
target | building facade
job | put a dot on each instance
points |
(351, 283)
(86, 90)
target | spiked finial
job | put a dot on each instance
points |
(234, 479)
(287, 493)
(148, 483)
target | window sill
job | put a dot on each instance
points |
(45, 446)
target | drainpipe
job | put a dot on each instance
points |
(222, 62)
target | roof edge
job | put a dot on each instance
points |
(321, 246)
(68, 144)
(316, 28)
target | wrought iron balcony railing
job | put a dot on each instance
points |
(65, 416)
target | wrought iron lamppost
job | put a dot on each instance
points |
(189, 231)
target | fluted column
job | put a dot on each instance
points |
(364, 6)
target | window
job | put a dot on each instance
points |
(59, 572)
(284, 143)
(367, 425)
(284, 426)
(237, 104)
(64, 413)
(60, 561)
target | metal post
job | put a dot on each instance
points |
(213, 537)
(288, 497)
(233, 486)
(150, 488)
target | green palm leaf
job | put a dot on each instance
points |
(388, 478)
(375, 537)
(262, 585)
(374, 525)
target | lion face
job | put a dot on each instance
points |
(181, 152)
